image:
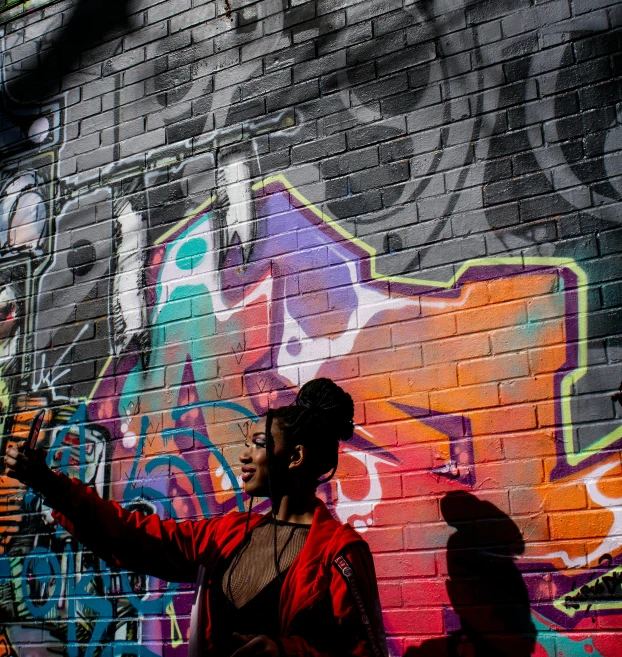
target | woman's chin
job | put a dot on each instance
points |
(253, 491)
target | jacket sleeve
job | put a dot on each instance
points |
(358, 629)
(166, 549)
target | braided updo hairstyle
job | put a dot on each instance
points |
(321, 416)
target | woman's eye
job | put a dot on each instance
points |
(260, 442)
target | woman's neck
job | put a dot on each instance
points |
(295, 507)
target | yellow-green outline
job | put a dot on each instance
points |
(597, 606)
(186, 220)
(568, 381)
(573, 458)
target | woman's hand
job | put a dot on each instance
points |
(29, 468)
(256, 646)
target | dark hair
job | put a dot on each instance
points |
(321, 416)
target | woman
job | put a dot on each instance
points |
(292, 583)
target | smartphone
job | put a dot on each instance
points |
(33, 434)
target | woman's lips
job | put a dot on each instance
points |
(247, 474)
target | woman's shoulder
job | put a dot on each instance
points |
(335, 535)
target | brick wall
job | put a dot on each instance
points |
(206, 204)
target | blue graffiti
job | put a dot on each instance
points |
(59, 584)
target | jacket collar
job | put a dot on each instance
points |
(309, 575)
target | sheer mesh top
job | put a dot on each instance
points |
(253, 569)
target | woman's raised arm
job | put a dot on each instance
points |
(166, 549)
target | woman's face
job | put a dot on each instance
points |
(255, 461)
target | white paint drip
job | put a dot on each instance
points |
(235, 178)
(129, 311)
(130, 439)
(345, 508)
(225, 480)
(613, 540)
(315, 351)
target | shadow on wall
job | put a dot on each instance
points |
(485, 587)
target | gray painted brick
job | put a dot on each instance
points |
(376, 132)
(380, 89)
(512, 142)
(407, 58)
(320, 148)
(266, 84)
(322, 26)
(428, 117)
(344, 38)
(98, 87)
(229, 39)
(124, 60)
(394, 21)
(320, 107)
(241, 111)
(579, 125)
(458, 251)
(506, 96)
(44, 28)
(553, 204)
(81, 145)
(534, 18)
(293, 95)
(167, 9)
(288, 138)
(537, 112)
(386, 174)
(293, 56)
(585, 6)
(481, 12)
(537, 63)
(143, 143)
(170, 44)
(435, 207)
(368, 10)
(599, 94)
(312, 68)
(209, 29)
(127, 130)
(97, 122)
(350, 77)
(234, 75)
(94, 158)
(363, 158)
(87, 108)
(356, 204)
(297, 15)
(575, 76)
(406, 147)
(145, 35)
(345, 120)
(516, 188)
(326, 6)
(376, 49)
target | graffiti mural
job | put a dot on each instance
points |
(418, 201)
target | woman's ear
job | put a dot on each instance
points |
(298, 456)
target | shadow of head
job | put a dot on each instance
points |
(480, 525)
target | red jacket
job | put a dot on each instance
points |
(329, 600)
